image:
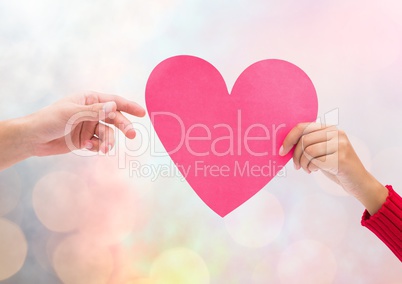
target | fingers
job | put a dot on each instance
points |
(109, 108)
(122, 123)
(103, 139)
(106, 137)
(294, 135)
(328, 164)
(100, 137)
(306, 147)
(314, 156)
(315, 147)
(124, 105)
(93, 112)
(92, 144)
(108, 113)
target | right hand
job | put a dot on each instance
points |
(328, 149)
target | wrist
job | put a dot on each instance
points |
(23, 139)
(14, 142)
(30, 139)
(372, 194)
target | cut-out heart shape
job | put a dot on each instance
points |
(226, 145)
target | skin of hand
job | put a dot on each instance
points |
(326, 148)
(74, 122)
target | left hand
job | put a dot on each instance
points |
(80, 121)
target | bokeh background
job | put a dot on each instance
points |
(74, 219)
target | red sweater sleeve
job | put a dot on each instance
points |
(386, 224)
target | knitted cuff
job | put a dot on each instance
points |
(386, 224)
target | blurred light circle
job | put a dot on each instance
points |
(179, 265)
(319, 217)
(114, 213)
(60, 200)
(13, 248)
(54, 240)
(10, 190)
(306, 262)
(129, 256)
(257, 222)
(78, 260)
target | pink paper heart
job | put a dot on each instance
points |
(226, 145)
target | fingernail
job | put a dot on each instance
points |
(110, 148)
(281, 151)
(108, 107)
(131, 133)
(88, 145)
(294, 165)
